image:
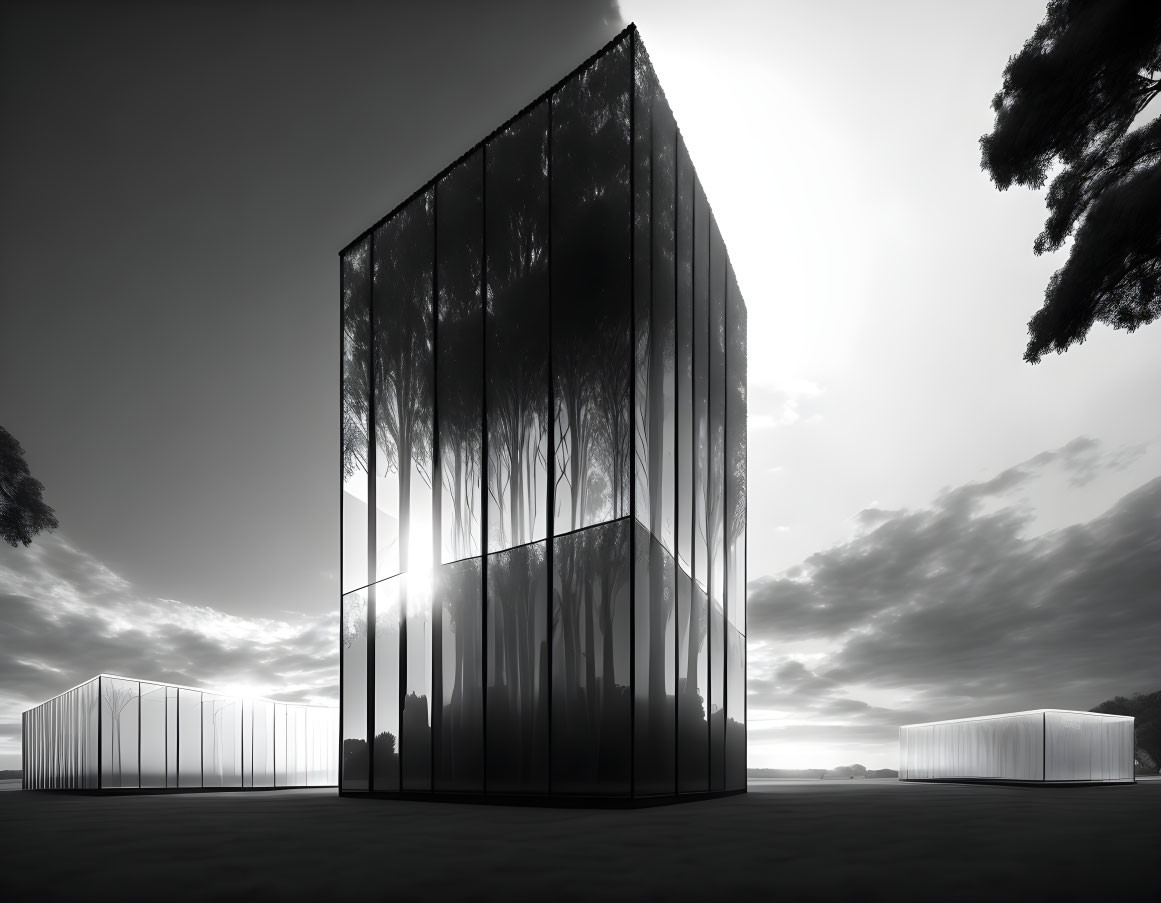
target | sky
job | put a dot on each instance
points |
(937, 529)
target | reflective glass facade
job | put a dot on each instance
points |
(543, 466)
(117, 733)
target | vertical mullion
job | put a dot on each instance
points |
(342, 502)
(372, 518)
(550, 526)
(725, 541)
(100, 735)
(138, 735)
(436, 663)
(484, 454)
(632, 428)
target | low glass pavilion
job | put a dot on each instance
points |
(118, 733)
(543, 467)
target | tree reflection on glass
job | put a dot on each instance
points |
(402, 316)
(517, 331)
(356, 320)
(591, 356)
(590, 683)
(459, 352)
(545, 335)
(517, 727)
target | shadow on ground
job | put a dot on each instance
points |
(862, 840)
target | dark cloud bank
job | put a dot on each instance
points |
(956, 609)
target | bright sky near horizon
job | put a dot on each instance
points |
(937, 529)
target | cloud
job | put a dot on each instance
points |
(64, 617)
(771, 408)
(953, 610)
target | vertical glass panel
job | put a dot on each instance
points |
(289, 715)
(119, 744)
(670, 287)
(735, 709)
(715, 502)
(313, 733)
(303, 745)
(311, 748)
(517, 676)
(717, 684)
(416, 719)
(459, 355)
(38, 741)
(517, 331)
(152, 735)
(460, 754)
(281, 778)
(221, 741)
(686, 447)
(296, 739)
(171, 736)
(356, 390)
(591, 737)
(92, 703)
(212, 751)
(701, 346)
(654, 687)
(355, 758)
(44, 739)
(403, 364)
(642, 278)
(693, 689)
(591, 285)
(389, 605)
(735, 455)
(264, 743)
(189, 738)
(247, 707)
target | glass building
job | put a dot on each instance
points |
(543, 466)
(118, 733)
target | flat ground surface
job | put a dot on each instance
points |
(846, 840)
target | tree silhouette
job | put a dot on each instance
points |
(1146, 711)
(1070, 97)
(23, 512)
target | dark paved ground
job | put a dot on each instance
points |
(843, 840)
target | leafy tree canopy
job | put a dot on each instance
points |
(1146, 709)
(1070, 98)
(23, 512)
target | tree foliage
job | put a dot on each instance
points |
(23, 512)
(1146, 710)
(1070, 99)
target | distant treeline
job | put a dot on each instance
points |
(1146, 709)
(843, 771)
(8, 774)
